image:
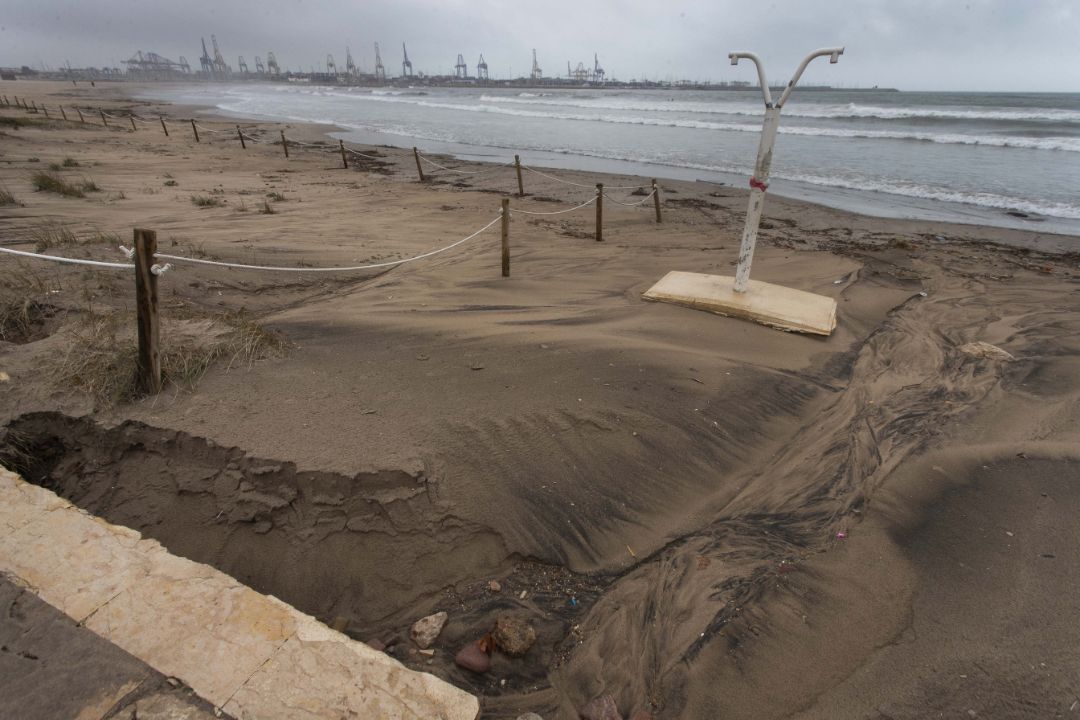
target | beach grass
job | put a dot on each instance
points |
(101, 359)
(52, 181)
(206, 201)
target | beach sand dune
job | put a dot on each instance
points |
(706, 517)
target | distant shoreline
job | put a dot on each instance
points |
(439, 81)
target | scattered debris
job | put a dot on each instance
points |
(494, 586)
(513, 635)
(841, 535)
(340, 623)
(529, 716)
(376, 644)
(425, 630)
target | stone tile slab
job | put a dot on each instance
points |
(195, 623)
(774, 305)
(52, 668)
(320, 674)
(73, 561)
(250, 653)
(20, 502)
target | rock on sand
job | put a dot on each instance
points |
(425, 630)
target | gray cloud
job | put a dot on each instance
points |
(910, 44)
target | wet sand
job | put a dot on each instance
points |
(666, 486)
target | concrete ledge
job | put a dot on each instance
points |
(774, 305)
(249, 654)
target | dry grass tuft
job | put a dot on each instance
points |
(101, 359)
(206, 201)
(21, 321)
(53, 234)
(6, 198)
(51, 181)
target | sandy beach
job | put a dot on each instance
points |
(700, 516)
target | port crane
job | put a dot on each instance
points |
(481, 69)
(406, 64)
(206, 61)
(537, 73)
(220, 67)
(461, 70)
(380, 69)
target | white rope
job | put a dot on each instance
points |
(304, 144)
(571, 182)
(557, 212)
(206, 129)
(73, 261)
(252, 139)
(636, 204)
(465, 172)
(443, 167)
(370, 157)
(330, 269)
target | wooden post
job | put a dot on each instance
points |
(284, 144)
(103, 120)
(506, 237)
(164, 127)
(35, 106)
(146, 302)
(240, 135)
(344, 162)
(656, 198)
(419, 170)
(62, 113)
(81, 119)
(46, 110)
(599, 212)
(517, 166)
(195, 130)
(132, 119)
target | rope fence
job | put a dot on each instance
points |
(588, 202)
(70, 261)
(285, 143)
(373, 266)
(145, 252)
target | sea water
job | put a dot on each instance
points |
(1006, 159)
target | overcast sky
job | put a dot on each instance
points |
(1025, 45)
